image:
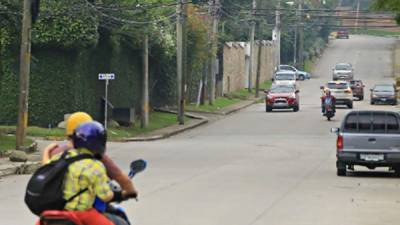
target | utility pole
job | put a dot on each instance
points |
(278, 32)
(301, 36)
(295, 45)
(25, 60)
(214, 49)
(357, 15)
(145, 87)
(260, 47)
(252, 37)
(206, 67)
(179, 55)
(185, 74)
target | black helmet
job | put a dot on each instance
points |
(92, 136)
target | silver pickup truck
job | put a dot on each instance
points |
(368, 138)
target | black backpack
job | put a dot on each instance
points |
(45, 188)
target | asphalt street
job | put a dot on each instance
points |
(257, 168)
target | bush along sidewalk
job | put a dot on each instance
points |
(228, 100)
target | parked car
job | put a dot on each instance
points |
(342, 34)
(368, 138)
(282, 97)
(285, 78)
(343, 71)
(357, 87)
(384, 93)
(341, 91)
(300, 75)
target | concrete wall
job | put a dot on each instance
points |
(396, 60)
(234, 77)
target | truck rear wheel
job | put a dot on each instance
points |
(340, 168)
(397, 171)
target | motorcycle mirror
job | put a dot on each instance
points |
(138, 166)
(297, 91)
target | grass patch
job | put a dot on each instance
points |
(7, 142)
(157, 120)
(36, 131)
(375, 32)
(219, 103)
(309, 65)
(229, 99)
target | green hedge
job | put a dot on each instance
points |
(66, 81)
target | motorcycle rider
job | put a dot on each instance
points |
(87, 176)
(328, 96)
(113, 171)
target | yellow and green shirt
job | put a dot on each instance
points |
(85, 173)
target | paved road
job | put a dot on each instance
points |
(257, 168)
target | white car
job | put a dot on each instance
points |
(343, 71)
(301, 75)
(286, 78)
(341, 90)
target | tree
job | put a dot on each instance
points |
(388, 5)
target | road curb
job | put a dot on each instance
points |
(167, 134)
(18, 168)
(254, 101)
(228, 112)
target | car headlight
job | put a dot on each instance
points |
(374, 95)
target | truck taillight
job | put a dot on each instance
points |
(339, 143)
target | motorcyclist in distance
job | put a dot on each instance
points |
(328, 97)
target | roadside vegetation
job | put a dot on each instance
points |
(7, 142)
(376, 32)
(158, 120)
(229, 99)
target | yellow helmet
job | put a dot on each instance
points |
(75, 120)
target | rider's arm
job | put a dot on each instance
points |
(126, 185)
(47, 153)
(115, 173)
(100, 183)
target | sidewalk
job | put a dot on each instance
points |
(197, 119)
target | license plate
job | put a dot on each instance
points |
(372, 157)
(383, 99)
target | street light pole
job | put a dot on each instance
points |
(25, 60)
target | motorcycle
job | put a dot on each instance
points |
(329, 109)
(63, 217)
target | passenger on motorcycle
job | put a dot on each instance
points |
(87, 176)
(328, 98)
(113, 171)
